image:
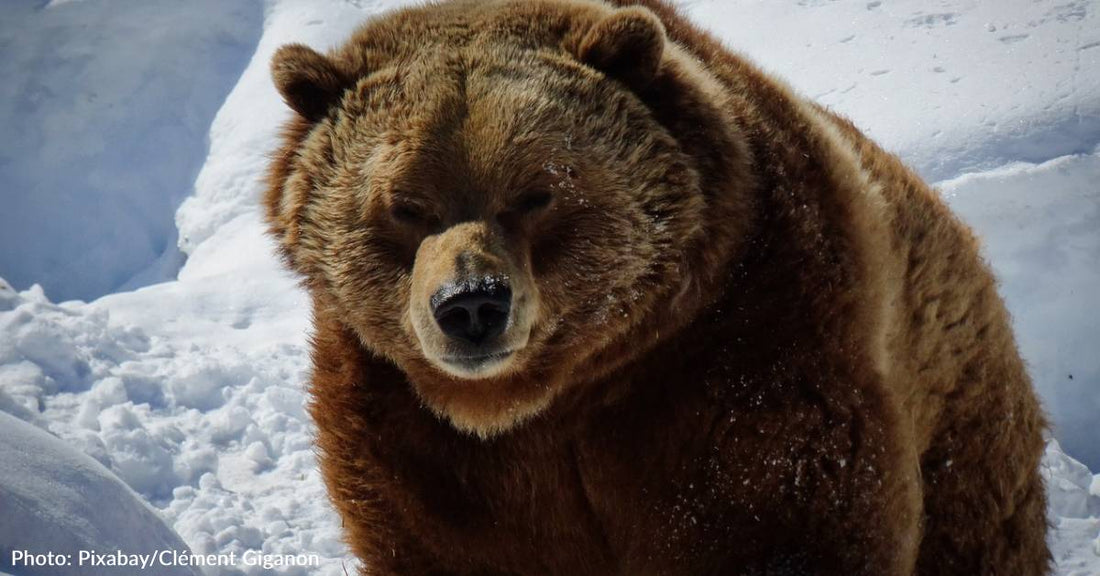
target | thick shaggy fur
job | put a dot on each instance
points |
(754, 342)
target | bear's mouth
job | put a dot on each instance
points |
(475, 364)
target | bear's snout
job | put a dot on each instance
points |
(472, 305)
(474, 312)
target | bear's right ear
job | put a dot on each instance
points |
(310, 83)
(628, 45)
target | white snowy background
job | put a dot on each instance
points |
(146, 323)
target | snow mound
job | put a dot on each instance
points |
(1069, 485)
(1074, 513)
(106, 107)
(55, 499)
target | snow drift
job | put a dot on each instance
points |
(56, 499)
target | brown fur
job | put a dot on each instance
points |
(749, 340)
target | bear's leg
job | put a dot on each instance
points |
(984, 500)
(877, 531)
(857, 509)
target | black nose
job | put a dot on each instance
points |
(473, 311)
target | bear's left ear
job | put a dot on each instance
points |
(627, 45)
(309, 81)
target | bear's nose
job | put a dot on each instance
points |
(473, 312)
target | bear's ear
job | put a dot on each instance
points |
(309, 82)
(627, 45)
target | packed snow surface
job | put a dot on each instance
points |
(133, 127)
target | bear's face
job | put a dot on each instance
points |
(492, 216)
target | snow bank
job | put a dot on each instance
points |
(56, 500)
(105, 107)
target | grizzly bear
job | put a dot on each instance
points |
(593, 295)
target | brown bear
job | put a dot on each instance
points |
(593, 295)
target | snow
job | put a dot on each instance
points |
(106, 107)
(1074, 513)
(953, 85)
(53, 493)
(133, 127)
(216, 436)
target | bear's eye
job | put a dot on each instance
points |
(532, 202)
(410, 213)
(524, 207)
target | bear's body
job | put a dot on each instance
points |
(800, 365)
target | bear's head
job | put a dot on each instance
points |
(498, 196)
